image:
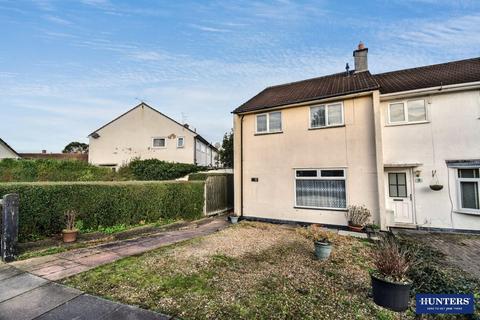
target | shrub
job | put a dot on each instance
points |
(154, 169)
(315, 233)
(42, 205)
(433, 275)
(12, 170)
(358, 215)
(392, 261)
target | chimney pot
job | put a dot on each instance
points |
(361, 46)
(44, 151)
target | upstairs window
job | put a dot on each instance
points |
(468, 181)
(269, 122)
(180, 142)
(410, 111)
(159, 142)
(327, 115)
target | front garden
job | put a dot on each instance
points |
(261, 271)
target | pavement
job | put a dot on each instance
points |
(27, 290)
(24, 296)
(62, 265)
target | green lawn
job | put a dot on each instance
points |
(251, 270)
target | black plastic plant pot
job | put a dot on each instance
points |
(436, 187)
(393, 296)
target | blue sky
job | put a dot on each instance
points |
(67, 67)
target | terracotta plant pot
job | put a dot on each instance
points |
(354, 227)
(69, 235)
(390, 295)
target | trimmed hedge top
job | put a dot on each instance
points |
(43, 204)
(12, 170)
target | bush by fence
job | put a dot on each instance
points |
(12, 170)
(42, 205)
(154, 169)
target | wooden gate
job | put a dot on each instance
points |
(218, 194)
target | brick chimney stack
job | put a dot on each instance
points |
(360, 57)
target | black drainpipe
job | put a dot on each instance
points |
(241, 166)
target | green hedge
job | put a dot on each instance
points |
(42, 205)
(12, 170)
(154, 169)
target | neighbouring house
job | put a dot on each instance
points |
(305, 151)
(7, 152)
(145, 133)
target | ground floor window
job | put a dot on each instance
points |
(468, 181)
(320, 188)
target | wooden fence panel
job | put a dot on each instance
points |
(218, 194)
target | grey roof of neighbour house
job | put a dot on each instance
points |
(339, 84)
(8, 147)
(199, 137)
(456, 72)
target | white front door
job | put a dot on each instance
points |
(399, 195)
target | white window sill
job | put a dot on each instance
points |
(405, 123)
(466, 211)
(264, 133)
(319, 208)
(327, 127)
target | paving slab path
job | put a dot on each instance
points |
(24, 296)
(62, 265)
(27, 291)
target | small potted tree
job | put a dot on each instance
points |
(70, 232)
(357, 217)
(321, 241)
(390, 284)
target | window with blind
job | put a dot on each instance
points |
(327, 115)
(320, 188)
(468, 181)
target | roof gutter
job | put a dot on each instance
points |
(310, 102)
(431, 90)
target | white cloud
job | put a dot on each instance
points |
(57, 20)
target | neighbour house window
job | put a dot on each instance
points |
(159, 142)
(397, 184)
(326, 115)
(468, 181)
(180, 142)
(320, 188)
(410, 111)
(269, 122)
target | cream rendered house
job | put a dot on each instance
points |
(145, 133)
(7, 152)
(305, 151)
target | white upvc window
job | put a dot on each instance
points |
(269, 122)
(327, 115)
(321, 189)
(180, 142)
(407, 111)
(159, 142)
(468, 181)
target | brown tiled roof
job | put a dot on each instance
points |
(317, 88)
(455, 72)
(339, 84)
